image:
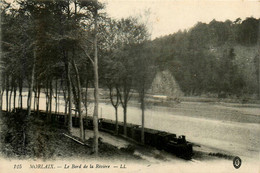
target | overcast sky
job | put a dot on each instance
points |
(169, 16)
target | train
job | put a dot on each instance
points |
(161, 140)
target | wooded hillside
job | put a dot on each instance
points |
(219, 58)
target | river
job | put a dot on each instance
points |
(223, 134)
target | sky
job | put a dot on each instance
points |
(168, 16)
(163, 17)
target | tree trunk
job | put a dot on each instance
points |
(2, 85)
(1, 99)
(115, 105)
(50, 100)
(21, 93)
(38, 100)
(31, 84)
(259, 70)
(95, 116)
(56, 96)
(15, 88)
(28, 96)
(258, 43)
(65, 99)
(47, 97)
(116, 130)
(125, 120)
(10, 99)
(142, 107)
(67, 68)
(86, 105)
(79, 100)
(124, 102)
(6, 92)
(66, 106)
(58, 103)
(1, 82)
(35, 97)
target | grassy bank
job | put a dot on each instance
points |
(24, 137)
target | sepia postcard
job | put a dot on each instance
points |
(130, 86)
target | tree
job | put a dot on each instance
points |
(95, 115)
(52, 35)
(122, 35)
(257, 61)
(16, 47)
(93, 6)
(38, 17)
(143, 77)
(115, 104)
(79, 100)
(31, 84)
(248, 31)
(111, 77)
(1, 70)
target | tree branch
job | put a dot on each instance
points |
(88, 56)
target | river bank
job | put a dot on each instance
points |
(217, 127)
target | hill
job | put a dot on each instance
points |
(218, 59)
